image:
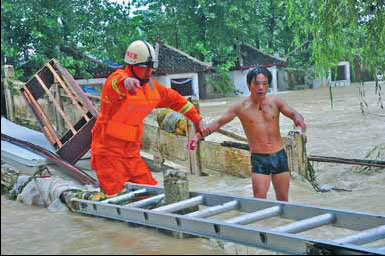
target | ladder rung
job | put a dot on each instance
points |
(215, 210)
(364, 237)
(306, 224)
(121, 198)
(256, 216)
(147, 201)
(180, 205)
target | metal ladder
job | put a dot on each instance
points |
(366, 228)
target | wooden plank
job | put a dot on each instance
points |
(227, 160)
(167, 145)
(57, 105)
(232, 133)
(44, 121)
(74, 85)
(195, 158)
(71, 95)
(213, 156)
(59, 120)
(193, 155)
(233, 160)
(365, 162)
(71, 92)
(9, 74)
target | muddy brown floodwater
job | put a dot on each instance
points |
(340, 132)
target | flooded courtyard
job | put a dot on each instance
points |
(342, 131)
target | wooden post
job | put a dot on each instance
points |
(9, 74)
(158, 162)
(176, 189)
(296, 152)
(158, 157)
(194, 156)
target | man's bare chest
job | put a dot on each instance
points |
(259, 113)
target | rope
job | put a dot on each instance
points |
(313, 181)
(37, 174)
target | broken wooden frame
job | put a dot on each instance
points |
(76, 138)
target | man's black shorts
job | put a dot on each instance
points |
(267, 164)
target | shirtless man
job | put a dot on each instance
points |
(259, 115)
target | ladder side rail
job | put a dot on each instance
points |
(249, 236)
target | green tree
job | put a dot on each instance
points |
(34, 31)
(340, 30)
(211, 30)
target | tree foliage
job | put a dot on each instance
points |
(340, 30)
(211, 29)
(34, 31)
(310, 33)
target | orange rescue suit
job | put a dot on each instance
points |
(117, 134)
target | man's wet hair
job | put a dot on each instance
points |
(253, 73)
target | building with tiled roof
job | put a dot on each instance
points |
(176, 69)
(180, 71)
(250, 57)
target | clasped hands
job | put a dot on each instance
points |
(203, 130)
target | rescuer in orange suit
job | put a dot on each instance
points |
(127, 97)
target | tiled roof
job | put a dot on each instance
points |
(251, 56)
(173, 61)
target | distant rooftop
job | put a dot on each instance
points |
(251, 56)
(173, 61)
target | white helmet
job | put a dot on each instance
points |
(141, 53)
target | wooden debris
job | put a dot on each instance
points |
(365, 162)
(76, 138)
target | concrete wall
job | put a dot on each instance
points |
(282, 80)
(166, 81)
(238, 78)
(325, 81)
(346, 80)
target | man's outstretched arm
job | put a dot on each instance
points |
(213, 126)
(291, 113)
